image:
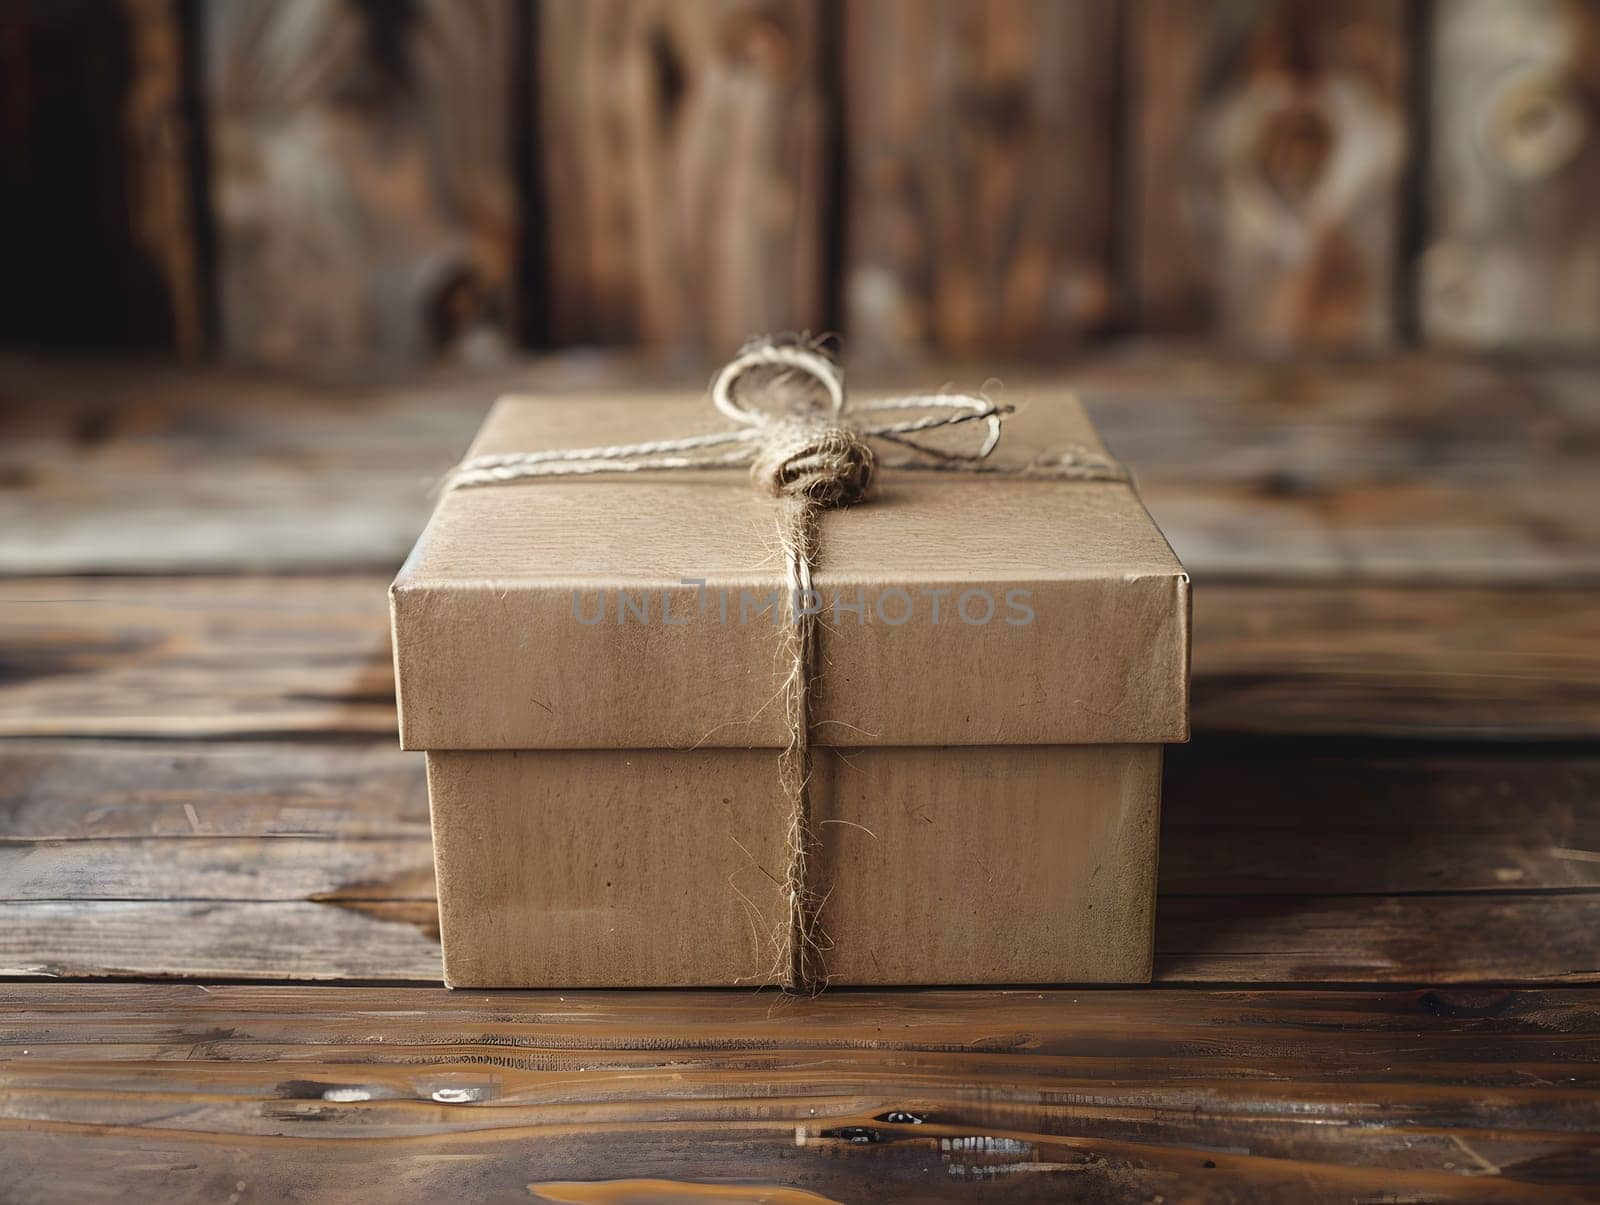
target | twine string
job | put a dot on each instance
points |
(815, 456)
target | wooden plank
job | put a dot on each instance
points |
(1270, 141)
(940, 1095)
(1253, 818)
(245, 869)
(122, 820)
(196, 657)
(121, 468)
(1448, 938)
(1194, 1037)
(1513, 237)
(164, 160)
(192, 657)
(211, 939)
(1397, 469)
(1482, 938)
(362, 185)
(75, 791)
(1410, 468)
(684, 155)
(96, 225)
(981, 174)
(755, 1161)
(1450, 664)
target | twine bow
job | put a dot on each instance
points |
(817, 454)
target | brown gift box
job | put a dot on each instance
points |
(592, 667)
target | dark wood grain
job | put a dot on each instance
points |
(1435, 663)
(1446, 938)
(361, 179)
(1269, 817)
(98, 233)
(1477, 939)
(1269, 142)
(946, 1096)
(980, 204)
(167, 226)
(683, 150)
(1513, 239)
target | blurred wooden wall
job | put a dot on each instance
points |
(399, 181)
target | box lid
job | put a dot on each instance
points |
(626, 611)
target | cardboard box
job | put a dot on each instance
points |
(592, 666)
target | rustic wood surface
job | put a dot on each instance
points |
(1380, 885)
(1200, 1095)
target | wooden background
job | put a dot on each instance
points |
(388, 183)
(1378, 924)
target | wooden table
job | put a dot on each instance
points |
(1379, 920)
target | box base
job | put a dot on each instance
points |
(661, 868)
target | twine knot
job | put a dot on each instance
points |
(803, 450)
(826, 466)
